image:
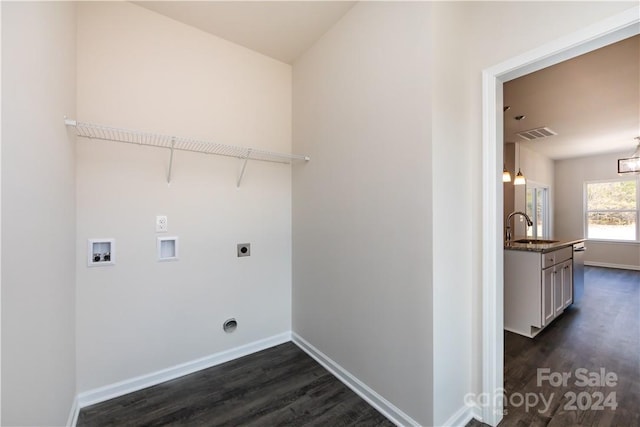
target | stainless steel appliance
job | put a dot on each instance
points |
(578, 271)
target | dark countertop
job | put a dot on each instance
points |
(540, 247)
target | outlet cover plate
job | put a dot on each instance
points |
(161, 224)
(244, 249)
(101, 252)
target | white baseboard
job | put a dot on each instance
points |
(610, 265)
(121, 388)
(462, 416)
(73, 414)
(476, 413)
(386, 408)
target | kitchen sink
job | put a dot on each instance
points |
(534, 241)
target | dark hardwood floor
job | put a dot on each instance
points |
(280, 386)
(284, 386)
(600, 332)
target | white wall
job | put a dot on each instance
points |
(38, 218)
(539, 169)
(569, 214)
(509, 155)
(452, 217)
(140, 70)
(536, 167)
(336, 198)
(405, 304)
(483, 34)
(362, 207)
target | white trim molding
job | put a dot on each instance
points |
(462, 416)
(605, 32)
(121, 388)
(492, 248)
(610, 265)
(73, 413)
(386, 408)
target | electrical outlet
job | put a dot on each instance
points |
(244, 249)
(161, 224)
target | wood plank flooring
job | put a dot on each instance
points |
(280, 386)
(602, 331)
(284, 386)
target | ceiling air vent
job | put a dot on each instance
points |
(538, 133)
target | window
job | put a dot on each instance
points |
(538, 210)
(612, 210)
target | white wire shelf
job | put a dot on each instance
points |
(108, 133)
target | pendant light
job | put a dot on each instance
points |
(630, 165)
(506, 176)
(519, 180)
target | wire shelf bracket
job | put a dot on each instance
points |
(172, 143)
(244, 166)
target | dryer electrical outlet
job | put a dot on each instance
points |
(161, 224)
(244, 249)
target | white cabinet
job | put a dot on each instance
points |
(567, 283)
(537, 288)
(558, 303)
(548, 295)
(557, 287)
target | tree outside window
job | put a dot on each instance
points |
(612, 210)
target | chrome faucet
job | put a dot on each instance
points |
(508, 222)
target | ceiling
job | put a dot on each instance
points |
(591, 101)
(280, 29)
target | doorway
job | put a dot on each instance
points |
(593, 37)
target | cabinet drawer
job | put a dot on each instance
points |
(552, 258)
